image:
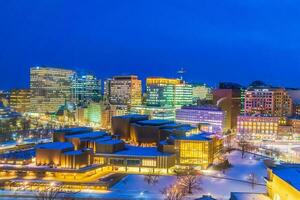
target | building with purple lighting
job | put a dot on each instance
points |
(210, 117)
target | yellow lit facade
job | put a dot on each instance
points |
(20, 100)
(198, 152)
(283, 183)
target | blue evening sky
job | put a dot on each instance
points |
(214, 40)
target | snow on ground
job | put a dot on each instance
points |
(218, 187)
(134, 186)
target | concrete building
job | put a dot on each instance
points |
(123, 90)
(50, 88)
(202, 115)
(155, 112)
(228, 97)
(19, 100)
(201, 92)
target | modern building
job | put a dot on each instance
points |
(264, 99)
(155, 112)
(212, 116)
(123, 90)
(168, 92)
(50, 88)
(19, 100)
(86, 88)
(228, 97)
(198, 150)
(139, 130)
(283, 182)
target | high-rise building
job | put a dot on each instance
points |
(50, 88)
(228, 98)
(168, 92)
(263, 99)
(208, 116)
(86, 88)
(123, 90)
(19, 100)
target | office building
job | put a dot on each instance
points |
(19, 100)
(50, 88)
(263, 99)
(86, 88)
(123, 90)
(210, 116)
(168, 92)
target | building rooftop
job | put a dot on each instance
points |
(206, 108)
(90, 135)
(77, 152)
(74, 130)
(111, 142)
(155, 122)
(19, 155)
(200, 136)
(140, 151)
(249, 196)
(289, 173)
(132, 116)
(55, 145)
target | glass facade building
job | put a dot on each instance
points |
(168, 92)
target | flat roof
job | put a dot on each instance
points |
(140, 151)
(155, 122)
(55, 145)
(74, 130)
(249, 196)
(88, 135)
(77, 152)
(199, 136)
(206, 108)
(112, 141)
(131, 116)
(289, 173)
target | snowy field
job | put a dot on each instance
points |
(134, 186)
(219, 187)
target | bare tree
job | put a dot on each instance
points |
(245, 146)
(173, 192)
(252, 178)
(189, 180)
(151, 178)
(52, 191)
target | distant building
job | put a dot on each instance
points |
(123, 90)
(155, 112)
(50, 88)
(257, 127)
(202, 115)
(228, 97)
(263, 99)
(201, 92)
(19, 100)
(86, 88)
(168, 92)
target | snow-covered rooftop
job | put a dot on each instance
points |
(200, 136)
(155, 122)
(140, 151)
(249, 196)
(110, 142)
(90, 135)
(55, 145)
(77, 152)
(289, 173)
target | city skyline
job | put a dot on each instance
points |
(239, 42)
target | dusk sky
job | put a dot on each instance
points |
(240, 41)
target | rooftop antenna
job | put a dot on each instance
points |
(180, 72)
